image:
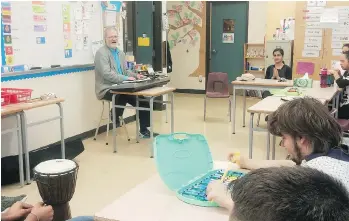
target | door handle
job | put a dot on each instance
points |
(214, 51)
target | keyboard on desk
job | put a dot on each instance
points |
(134, 86)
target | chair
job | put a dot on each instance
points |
(122, 122)
(217, 87)
(344, 125)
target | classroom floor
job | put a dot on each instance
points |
(104, 176)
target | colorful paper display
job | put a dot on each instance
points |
(305, 67)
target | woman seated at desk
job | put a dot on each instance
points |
(343, 83)
(278, 70)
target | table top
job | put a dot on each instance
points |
(264, 82)
(153, 201)
(151, 92)
(15, 108)
(270, 104)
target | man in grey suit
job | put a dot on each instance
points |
(110, 68)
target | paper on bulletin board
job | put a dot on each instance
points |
(38, 9)
(305, 67)
(68, 44)
(335, 65)
(330, 15)
(96, 45)
(313, 32)
(313, 40)
(310, 54)
(110, 18)
(340, 31)
(336, 51)
(312, 17)
(78, 13)
(316, 47)
(143, 42)
(315, 10)
(321, 3)
(340, 38)
(337, 44)
(313, 25)
(311, 3)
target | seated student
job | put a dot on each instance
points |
(278, 70)
(345, 48)
(283, 194)
(38, 212)
(110, 69)
(342, 81)
(311, 136)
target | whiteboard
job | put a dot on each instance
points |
(28, 50)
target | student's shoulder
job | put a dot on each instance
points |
(328, 164)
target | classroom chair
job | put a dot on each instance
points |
(344, 123)
(122, 122)
(217, 87)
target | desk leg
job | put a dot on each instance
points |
(268, 145)
(114, 123)
(273, 153)
(20, 151)
(25, 145)
(172, 112)
(244, 109)
(137, 119)
(250, 141)
(337, 104)
(61, 121)
(151, 107)
(233, 112)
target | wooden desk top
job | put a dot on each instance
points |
(151, 92)
(264, 82)
(15, 108)
(270, 104)
(152, 200)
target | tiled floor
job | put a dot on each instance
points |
(104, 176)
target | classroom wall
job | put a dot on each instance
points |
(188, 44)
(81, 109)
(276, 11)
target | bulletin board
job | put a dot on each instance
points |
(317, 46)
(45, 33)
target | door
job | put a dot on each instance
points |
(229, 22)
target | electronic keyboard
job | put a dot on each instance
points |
(139, 85)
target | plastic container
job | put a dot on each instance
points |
(16, 95)
(183, 162)
(323, 78)
(5, 99)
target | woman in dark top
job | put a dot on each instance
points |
(278, 70)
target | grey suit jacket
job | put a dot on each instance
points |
(106, 73)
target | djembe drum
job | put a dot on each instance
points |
(56, 181)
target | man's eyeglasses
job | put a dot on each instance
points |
(111, 37)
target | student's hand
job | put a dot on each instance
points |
(16, 211)
(275, 74)
(131, 79)
(217, 192)
(336, 73)
(139, 76)
(237, 158)
(41, 212)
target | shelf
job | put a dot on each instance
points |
(254, 71)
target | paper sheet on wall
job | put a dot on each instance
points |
(340, 31)
(312, 17)
(79, 45)
(336, 51)
(109, 18)
(315, 47)
(305, 67)
(314, 10)
(330, 15)
(310, 54)
(311, 3)
(96, 45)
(85, 42)
(313, 40)
(313, 32)
(321, 3)
(78, 26)
(313, 25)
(85, 27)
(78, 13)
(335, 65)
(340, 38)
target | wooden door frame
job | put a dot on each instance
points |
(208, 33)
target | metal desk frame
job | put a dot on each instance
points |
(137, 108)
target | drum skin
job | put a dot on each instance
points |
(57, 190)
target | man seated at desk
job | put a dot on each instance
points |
(110, 69)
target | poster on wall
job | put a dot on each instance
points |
(111, 5)
(228, 30)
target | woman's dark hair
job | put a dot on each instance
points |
(346, 45)
(279, 50)
(346, 55)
